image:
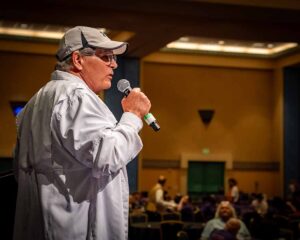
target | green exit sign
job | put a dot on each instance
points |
(206, 151)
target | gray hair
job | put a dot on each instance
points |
(67, 63)
(225, 204)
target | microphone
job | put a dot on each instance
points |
(124, 87)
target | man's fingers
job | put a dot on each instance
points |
(136, 89)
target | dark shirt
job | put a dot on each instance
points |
(221, 235)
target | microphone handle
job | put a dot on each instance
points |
(149, 118)
(151, 121)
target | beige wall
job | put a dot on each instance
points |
(22, 74)
(241, 98)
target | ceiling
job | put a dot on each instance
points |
(157, 23)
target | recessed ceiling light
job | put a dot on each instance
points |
(230, 46)
(34, 30)
(258, 45)
(184, 39)
(32, 33)
(15, 30)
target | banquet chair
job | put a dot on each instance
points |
(138, 218)
(169, 229)
(170, 216)
(153, 216)
(182, 235)
(285, 225)
(187, 216)
(198, 216)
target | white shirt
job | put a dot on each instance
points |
(70, 163)
(235, 193)
(261, 207)
(159, 197)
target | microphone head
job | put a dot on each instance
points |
(123, 85)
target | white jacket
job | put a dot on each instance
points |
(70, 163)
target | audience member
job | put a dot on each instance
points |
(233, 194)
(277, 205)
(293, 197)
(260, 204)
(208, 207)
(224, 212)
(136, 203)
(230, 231)
(186, 209)
(156, 201)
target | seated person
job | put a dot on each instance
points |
(186, 209)
(293, 197)
(208, 207)
(224, 212)
(230, 231)
(260, 204)
(135, 202)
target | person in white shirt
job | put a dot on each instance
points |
(260, 204)
(233, 195)
(71, 153)
(156, 201)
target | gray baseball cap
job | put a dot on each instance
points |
(80, 37)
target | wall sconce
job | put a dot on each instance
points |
(206, 115)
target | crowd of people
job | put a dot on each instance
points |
(235, 215)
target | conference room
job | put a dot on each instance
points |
(222, 78)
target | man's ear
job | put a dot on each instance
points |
(77, 61)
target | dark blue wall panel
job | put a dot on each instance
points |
(291, 125)
(128, 68)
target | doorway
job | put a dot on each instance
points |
(205, 178)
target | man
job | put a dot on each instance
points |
(224, 212)
(156, 202)
(71, 153)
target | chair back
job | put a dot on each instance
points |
(187, 215)
(198, 216)
(182, 235)
(169, 229)
(170, 216)
(154, 216)
(138, 218)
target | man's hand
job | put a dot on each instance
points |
(136, 102)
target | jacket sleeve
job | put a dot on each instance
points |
(207, 230)
(85, 128)
(243, 233)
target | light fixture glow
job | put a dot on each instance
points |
(202, 44)
(23, 32)
(31, 33)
